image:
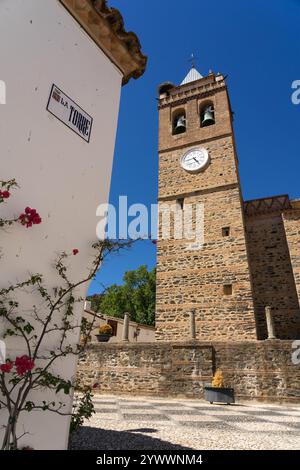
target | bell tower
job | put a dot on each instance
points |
(198, 166)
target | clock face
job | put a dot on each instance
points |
(195, 160)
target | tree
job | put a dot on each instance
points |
(136, 296)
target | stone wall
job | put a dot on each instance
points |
(291, 221)
(272, 271)
(191, 99)
(260, 369)
(259, 260)
(256, 369)
(147, 368)
(195, 279)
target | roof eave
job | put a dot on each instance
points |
(105, 26)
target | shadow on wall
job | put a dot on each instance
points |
(89, 438)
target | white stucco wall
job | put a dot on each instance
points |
(137, 333)
(59, 174)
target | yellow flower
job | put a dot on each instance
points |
(105, 330)
(218, 379)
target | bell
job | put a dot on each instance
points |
(208, 117)
(180, 125)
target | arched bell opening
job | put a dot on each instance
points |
(179, 122)
(207, 115)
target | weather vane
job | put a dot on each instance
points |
(193, 60)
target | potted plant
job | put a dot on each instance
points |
(105, 332)
(217, 392)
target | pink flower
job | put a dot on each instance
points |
(30, 217)
(23, 364)
(7, 367)
(75, 251)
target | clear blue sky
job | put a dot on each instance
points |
(257, 43)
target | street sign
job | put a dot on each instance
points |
(68, 112)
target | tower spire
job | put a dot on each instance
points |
(192, 76)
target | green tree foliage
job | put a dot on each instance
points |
(136, 296)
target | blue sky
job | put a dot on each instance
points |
(257, 44)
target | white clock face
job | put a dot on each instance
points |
(195, 160)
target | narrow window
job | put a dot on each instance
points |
(227, 289)
(180, 202)
(225, 231)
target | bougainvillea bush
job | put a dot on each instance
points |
(54, 324)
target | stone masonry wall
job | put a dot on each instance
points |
(291, 221)
(175, 181)
(189, 280)
(273, 274)
(147, 368)
(191, 98)
(195, 279)
(260, 369)
(256, 369)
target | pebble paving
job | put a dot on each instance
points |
(165, 424)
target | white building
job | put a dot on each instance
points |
(52, 52)
(137, 332)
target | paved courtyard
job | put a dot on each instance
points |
(122, 423)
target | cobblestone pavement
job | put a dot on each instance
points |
(122, 423)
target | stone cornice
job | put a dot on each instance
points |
(183, 97)
(105, 26)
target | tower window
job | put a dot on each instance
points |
(180, 203)
(227, 289)
(179, 123)
(207, 115)
(225, 231)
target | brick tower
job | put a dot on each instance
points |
(198, 165)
